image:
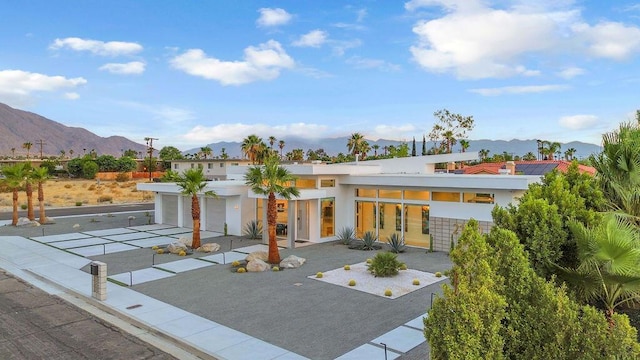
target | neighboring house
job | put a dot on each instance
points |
(213, 169)
(535, 167)
(402, 195)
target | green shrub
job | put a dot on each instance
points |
(346, 234)
(89, 169)
(78, 203)
(396, 242)
(430, 243)
(385, 264)
(253, 230)
(122, 177)
(23, 206)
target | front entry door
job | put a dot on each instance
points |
(303, 220)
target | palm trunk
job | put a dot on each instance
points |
(14, 219)
(274, 254)
(43, 217)
(29, 190)
(195, 214)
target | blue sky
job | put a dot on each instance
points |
(197, 72)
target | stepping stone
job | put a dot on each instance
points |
(141, 276)
(184, 265)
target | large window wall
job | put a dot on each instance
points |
(327, 221)
(388, 211)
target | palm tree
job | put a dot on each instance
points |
(529, 156)
(223, 154)
(375, 148)
(62, 154)
(550, 150)
(192, 182)
(206, 151)
(358, 145)
(483, 154)
(271, 180)
(449, 140)
(464, 144)
(568, 154)
(27, 145)
(297, 155)
(28, 188)
(272, 140)
(252, 147)
(281, 146)
(41, 175)
(14, 179)
(608, 256)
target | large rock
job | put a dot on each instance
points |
(176, 247)
(210, 247)
(26, 222)
(186, 241)
(257, 265)
(48, 221)
(260, 255)
(292, 262)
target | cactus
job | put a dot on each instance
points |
(242, 270)
(352, 282)
(416, 282)
(347, 267)
(319, 275)
(388, 292)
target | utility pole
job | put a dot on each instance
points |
(149, 141)
(41, 143)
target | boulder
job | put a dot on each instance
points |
(261, 255)
(257, 265)
(292, 262)
(210, 247)
(26, 222)
(48, 220)
(176, 247)
(186, 241)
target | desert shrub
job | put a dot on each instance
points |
(396, 242)
(369, 240)
(416, 282)
(134, 190)
(68, 186)
(241, 270)
(253, 230)
(347, 267)
(122, 177)
(275, 268)
(346, 234)
(92, 187)
(385, 264)
(23, 206)
(105, 198)
(147, 195)
(78, 203)
(89, 169)
(438, 274)
(319, 275)
(352, 282)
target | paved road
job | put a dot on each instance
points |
(35, 325)
(82, 210)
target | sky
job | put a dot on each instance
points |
(190, 73)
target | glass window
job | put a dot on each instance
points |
(370, 193)
(306, 183)
(199, 166)
(259, 205)
(209, 166)
(482, 198)
(389, 220)
(327, 224)
(416, 232)
(365, 217)
(193, 165)
(389, 194)
(221, 164)
(175, 166)
(446, 196)
(327, 183)
(416, 194)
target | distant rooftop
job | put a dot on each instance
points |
(535, 167)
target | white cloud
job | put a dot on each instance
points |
(273, 17)
(361, 14)
(96, 47)
(134, 67)
(474, 40)
(518, 89)
(339, 47)
(17, 86)
(71, 96)
(260, 63)
(239, 131)
(392, 132)
(314, 38)
(578, 122)
(610, 39)
(366, 63)
(570, 72)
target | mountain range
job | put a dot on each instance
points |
(18, 127)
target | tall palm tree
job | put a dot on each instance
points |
(484, 153)
(206, 151)
(281, 146)
(355, 144)
(375, 148)
(608, 256)
(530, 156)
(297, 155)
(223, 154)
(568, 154)
(271, 180)
(27, 145)
(41, 175)
(449, 140)
(14, 179)
(272, 140)
(192, 182)
(252, 147)
(464, 144)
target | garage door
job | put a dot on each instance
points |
(216, 214)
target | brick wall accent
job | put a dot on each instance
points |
(442, 228)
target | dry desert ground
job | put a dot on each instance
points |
(71, 192)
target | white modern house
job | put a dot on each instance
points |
(402, 195)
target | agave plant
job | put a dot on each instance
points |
(385, 264)
(253, 230)
(396, 242)
(369, 240)
(345, 235)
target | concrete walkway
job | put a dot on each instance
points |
(55, 262)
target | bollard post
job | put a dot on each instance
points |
(99, 280)
(385, 350)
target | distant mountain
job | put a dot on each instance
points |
(333, 146)
(18, 127)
